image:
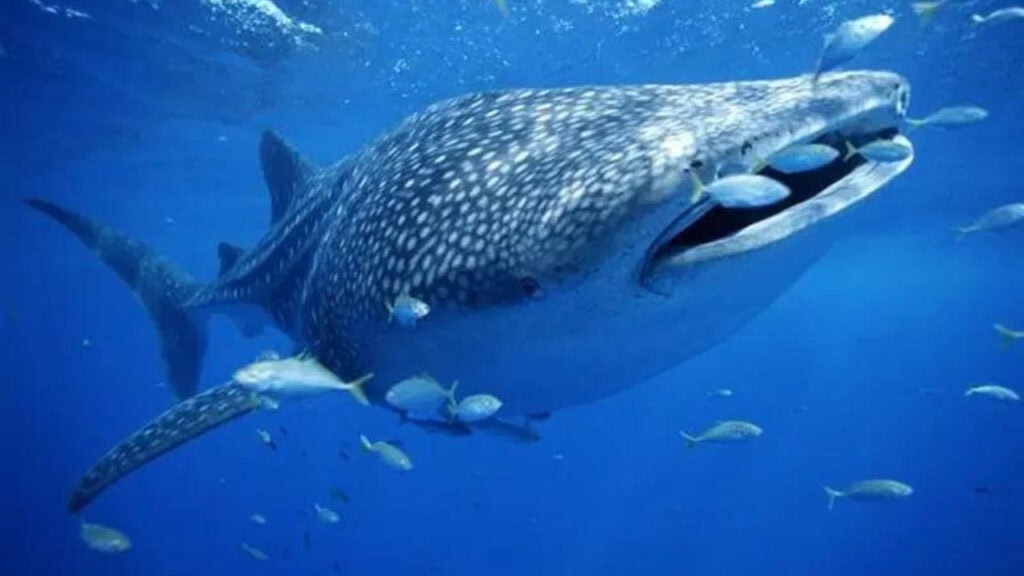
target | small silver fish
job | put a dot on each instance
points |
(800, 158)
(475, 408)
(951, 117)
(719, 393)
(870, 491)
(849, 39)
(419, 395)
(254, 552)
(104, 538)
(995, 392)
(996, 219)
(389, 454)
(257, 519)
(407, 310)
(325, 514)
(266, 439)
(882, 150)
(297, 377)
(727, 432)
(741, 190)
(999, 16)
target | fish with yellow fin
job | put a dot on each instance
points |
(389, 453)
(297, 377)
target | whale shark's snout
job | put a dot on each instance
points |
(745, 123)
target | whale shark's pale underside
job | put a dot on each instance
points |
(551, 231)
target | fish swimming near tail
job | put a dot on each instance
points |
(538, 225)
(180, 307)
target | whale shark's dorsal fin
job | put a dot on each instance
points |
(228, 255)
(285, 172)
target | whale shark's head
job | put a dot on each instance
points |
(542, 224)
(495, 194)
(744, 123)
(653, 226)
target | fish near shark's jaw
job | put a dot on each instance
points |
(854, 107)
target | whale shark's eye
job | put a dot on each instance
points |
(531, 287)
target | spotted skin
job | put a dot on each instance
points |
(524, 218)
(271, 274)
(185, 420)
(493, 199)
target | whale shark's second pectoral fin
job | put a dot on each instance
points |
(183, 422)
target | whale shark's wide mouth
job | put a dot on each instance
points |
(711, 231)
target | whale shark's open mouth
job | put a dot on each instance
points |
(712, 231)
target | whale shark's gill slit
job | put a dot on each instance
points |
(720, 222)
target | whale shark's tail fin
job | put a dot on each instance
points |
(161, 287)
(183, 422)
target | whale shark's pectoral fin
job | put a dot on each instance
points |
(183, 422)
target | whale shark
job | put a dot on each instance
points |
(553, 232)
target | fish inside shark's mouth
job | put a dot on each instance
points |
(719, 231)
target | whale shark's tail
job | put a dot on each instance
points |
(161, 287)
(165, 291)
(180, 307)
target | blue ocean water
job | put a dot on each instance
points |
(146, 114)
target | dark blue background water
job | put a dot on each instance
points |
(148, 119)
